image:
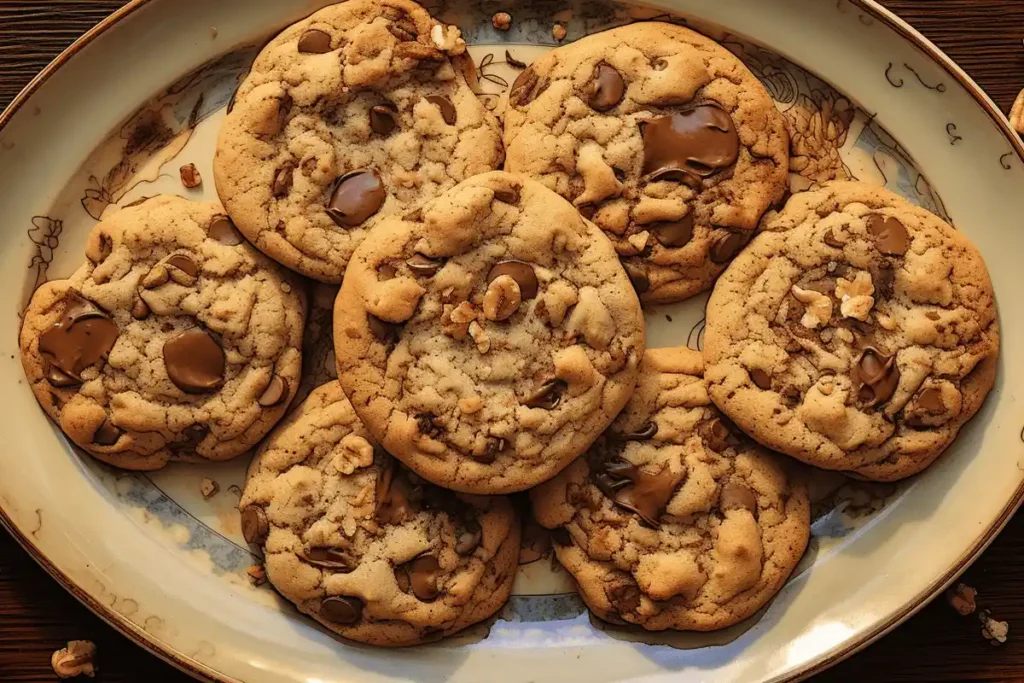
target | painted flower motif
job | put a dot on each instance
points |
(818, 126)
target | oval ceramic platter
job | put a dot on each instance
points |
(114, 118)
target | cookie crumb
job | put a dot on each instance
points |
(208, 487)
(994, 631)
(77, 659)
(190, 177)
(961, 598)
(257, 575)
(501, 21)
(213, 32)
(558, 32)
(286, 288)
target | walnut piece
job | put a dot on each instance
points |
(208, 487)
(855, 296)
(77, 659)
(558, 32)
(502, 298)
(819, 307)
(190, 177)
(1017, 114)
(353, 453)
(476, 331)
(463, 313)
(994, 631)
(502, 21)
(257, 576)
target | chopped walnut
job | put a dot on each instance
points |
(502, 298)
(855, 296)
(639, 240)
(448, 39)
(353, 453)
(994, 631)
(558, 32)
(961, 598)
(501, 21)
(476, 331)
(208, 487)
(190, 177)
(257, 576)
(77, 659)
(463, 313)
(819, 307)
(1017, 114)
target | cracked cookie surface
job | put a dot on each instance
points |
(663, 138)
(858, 333)
(364, 546)
(674, 519)
(490, 337)
(175, 341)
(349, 115)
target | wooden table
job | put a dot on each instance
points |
(37, 616)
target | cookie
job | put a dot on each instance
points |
(487, 339)
(661, 137)
(674, 519)
(364, 546)
(175, 341)
(349, 115)
(858, 333)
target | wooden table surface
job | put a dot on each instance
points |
(37, 616)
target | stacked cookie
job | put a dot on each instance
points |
(489, 331)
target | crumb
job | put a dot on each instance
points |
(208, 487)
(961, 598)
(77, 659)
(213, 32)
(501, 21)
(285, 287)
(190, 177)
(257, 576)
(993, 630)
(558, 32)
(668, 317)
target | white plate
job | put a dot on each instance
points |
(102, 126)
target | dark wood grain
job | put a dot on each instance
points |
(37, 617)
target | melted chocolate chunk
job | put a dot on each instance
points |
(283, 178)
(624, 597)
(930, 401)
(877, 377)
(522, 273)
(737, 497)
(393, 501)
(421, 575)
(701, 141)
(606, 88)
(383, 118)
(255, 526)
(195, 362)
(384, 332)
(637, 277)
(761, 378)
(648, 431)
(448, 112)
(526, 88)
(424, 265)
(314, 42)
(674, 233)
(107, 434)
(341, 609)
(728, 245)
(356, 196)
(891, 237)
(82, 337)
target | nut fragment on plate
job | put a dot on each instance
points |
(77, 659)
(208, 487)
(502, 21)
(257, 575)
(961, 598)
(558, 32)
(190, 176)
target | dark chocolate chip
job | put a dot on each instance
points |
(315, 42)
(728, 245)
(830, 240)
(674, 233)
(761, 378)
(637, 276)
(341, 609)
(701, 141)
(383, 118)
(183, 263)
(737, 497)
(509, 195)
(421, 575)
(275, 392)
(548, 396)
(448, 112)
(107, 434)
(383, 331)
(255, 526)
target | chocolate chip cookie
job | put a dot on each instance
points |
(351, 114)
(663, 139)
(175, 341)
(364, 546)
(858, 333)
(674, 519)
(488, 338)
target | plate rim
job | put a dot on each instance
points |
(200, 671)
